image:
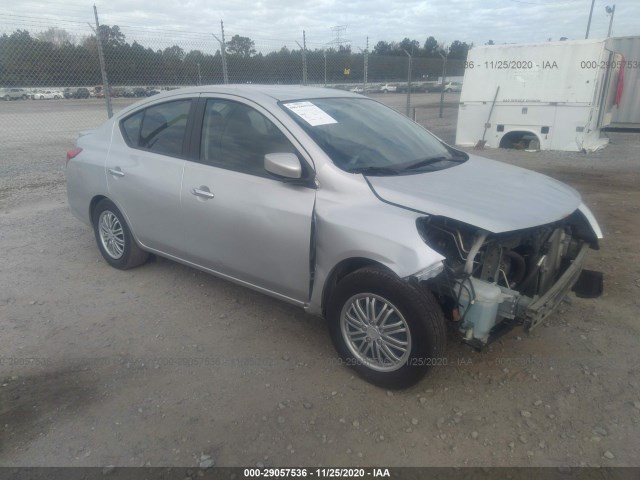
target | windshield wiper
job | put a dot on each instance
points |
(431, 160)
(375, 171)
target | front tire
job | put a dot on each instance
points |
(114, 238)
(388, 330)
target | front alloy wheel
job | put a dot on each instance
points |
(387, 329)
(375, 331)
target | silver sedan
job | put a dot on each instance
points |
(333, 202)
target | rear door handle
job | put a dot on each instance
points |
(202, 192)
(116, 172)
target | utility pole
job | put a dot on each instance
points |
(324, 53)
(339, 40)
(444, 75)
(304, 57)
(103, 69)
(366, 68)
(223, 53)
(611, 11)
(589, 22)
(408, 84)
(303, 49)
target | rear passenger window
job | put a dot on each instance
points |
(131, 129)
(159, 129)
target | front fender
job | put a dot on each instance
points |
(373, 230)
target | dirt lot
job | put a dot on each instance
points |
(164, 364)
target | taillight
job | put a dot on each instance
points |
(74, 152)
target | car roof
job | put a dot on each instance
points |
(261, 94)
(277, 92)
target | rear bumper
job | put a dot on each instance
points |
(540, 308)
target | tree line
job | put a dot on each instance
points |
(55, 58)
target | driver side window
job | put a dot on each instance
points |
(237, 137)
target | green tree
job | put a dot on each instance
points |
(111, 37)
(56, 36)
(431, 47)
(458, 49)
(382, 48)
(411, 46)
(242, 46)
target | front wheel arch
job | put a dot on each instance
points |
(341, 270)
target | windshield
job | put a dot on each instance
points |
(363, 136)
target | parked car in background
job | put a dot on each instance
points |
(453, 87)
(386, 88)
(75, 92)
(81, 92)
(448, 87)
(13, 94)
(415, 87)
(47, 95)
(336, 203)
(113, 93)
(139, 92)
(152, 91)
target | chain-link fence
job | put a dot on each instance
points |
(69, 64)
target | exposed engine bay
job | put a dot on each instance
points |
(491, 281)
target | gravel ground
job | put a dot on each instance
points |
(165, 365)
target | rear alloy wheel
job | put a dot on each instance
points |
(388, 330)
(114, 238)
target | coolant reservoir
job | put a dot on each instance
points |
(479, 302)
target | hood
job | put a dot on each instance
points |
(484, 193)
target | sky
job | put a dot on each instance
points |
(273, 23)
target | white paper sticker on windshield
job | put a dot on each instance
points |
(310, 113)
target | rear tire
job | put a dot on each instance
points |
(114, 238)
(389, 331)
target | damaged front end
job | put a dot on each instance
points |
(492, 281)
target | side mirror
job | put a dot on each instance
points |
(284, 165)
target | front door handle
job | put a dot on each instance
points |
(202, 192)
(116, 172)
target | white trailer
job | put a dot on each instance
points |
(549, 96)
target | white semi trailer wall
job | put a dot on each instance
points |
(550, 95)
